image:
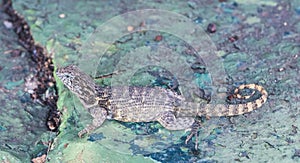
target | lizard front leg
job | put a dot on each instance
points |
(99, 115)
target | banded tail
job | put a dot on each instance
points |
(218, 110)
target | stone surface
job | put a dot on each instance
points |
(258, 42)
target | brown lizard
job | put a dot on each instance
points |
(147, 104)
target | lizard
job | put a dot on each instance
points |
(148, 104)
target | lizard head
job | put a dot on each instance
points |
(76, 81)
(67, 75)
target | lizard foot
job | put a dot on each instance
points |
(86, 130)
(81, 133)
(99, 115)
(194, 132)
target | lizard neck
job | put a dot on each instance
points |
(103, 93)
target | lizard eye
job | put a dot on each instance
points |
(67, 75)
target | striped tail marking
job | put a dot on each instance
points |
(218, 110)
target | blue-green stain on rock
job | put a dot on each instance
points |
(2, 128)
(171, 154)
(217, 131)
(95, 137)
(11, 85)
(259, 64)
(202, 80)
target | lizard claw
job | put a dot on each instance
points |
(81, 133)
(194, 132)
(86, 130)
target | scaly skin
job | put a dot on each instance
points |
(220, 110)
(147, 104)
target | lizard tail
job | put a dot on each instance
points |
(218, 110)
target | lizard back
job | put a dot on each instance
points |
(139, 104)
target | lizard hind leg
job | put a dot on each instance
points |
(194, 132)
(169, 121)
(99, 115)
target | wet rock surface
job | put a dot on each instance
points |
(258, 42)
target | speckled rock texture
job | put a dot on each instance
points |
(257, 42)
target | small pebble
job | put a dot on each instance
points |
(8, 24)
(50, 84)
(233, 38)
(62, 16)
(244, 154)
(66, 145)
(281, 69)
(198, 20)
(158, 38)
(254, 135)
(211, 28)
(130, 28)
